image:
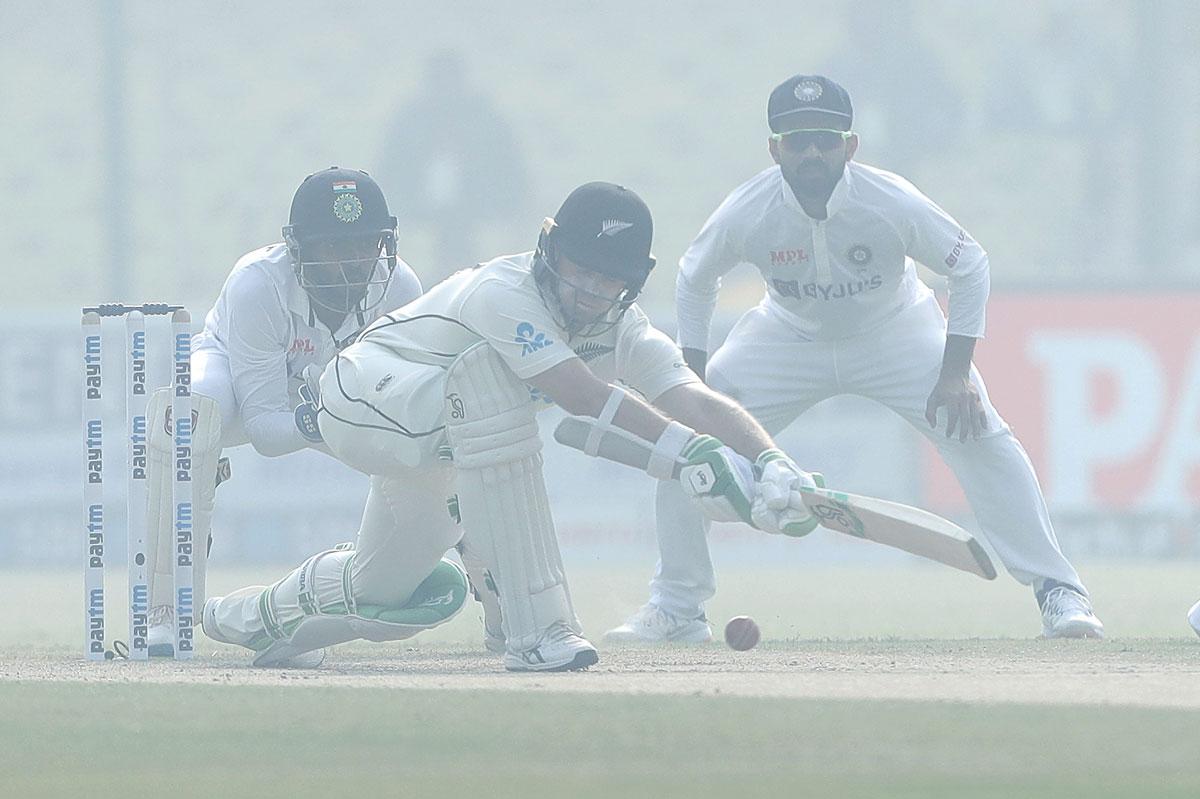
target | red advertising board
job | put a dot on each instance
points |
(1104, 393)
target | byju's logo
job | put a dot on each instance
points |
(530, 339)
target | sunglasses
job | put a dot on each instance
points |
(823, 138)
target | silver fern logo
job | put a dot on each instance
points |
(611, 227)
(591, 350)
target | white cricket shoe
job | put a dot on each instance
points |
(653, 625)
(1194, 617)
(560, 649)
(1066, 613)
(278, 655)
(160, 638)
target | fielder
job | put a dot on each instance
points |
(845, 313)
(438, 402)
(284, 309)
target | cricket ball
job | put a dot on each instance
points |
(742, 633)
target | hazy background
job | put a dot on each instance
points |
(145, 146)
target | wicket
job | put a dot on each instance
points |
(180, 427)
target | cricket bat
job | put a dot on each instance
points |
(892, 524)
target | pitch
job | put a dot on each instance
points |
(870, 681)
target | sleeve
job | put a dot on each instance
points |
(715, 250)
(257, 344)
(940, 243)
(648, 361)
(518, 327)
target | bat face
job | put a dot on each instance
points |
(835, 515)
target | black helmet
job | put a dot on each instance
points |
(342, 215)
(604, 228)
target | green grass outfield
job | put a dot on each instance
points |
(158, 740)
(872, 681)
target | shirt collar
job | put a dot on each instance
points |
(837, 200)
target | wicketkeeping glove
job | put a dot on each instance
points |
(720, 480)
(310, 403)
(777, 506)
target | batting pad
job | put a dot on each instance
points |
(492, 430)
(314, 607)
(160, 510)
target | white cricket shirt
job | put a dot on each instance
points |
(263, 322)
(499, 302)
(833, 278)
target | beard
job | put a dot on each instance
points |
(813, 178)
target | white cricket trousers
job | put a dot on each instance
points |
(776, 376)
(383, 416)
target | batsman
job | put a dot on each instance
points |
(438, 402)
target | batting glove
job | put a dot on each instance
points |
(778, 506)
(720, 480)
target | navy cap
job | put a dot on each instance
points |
(606, 228)
(338, 203)
(809, 101)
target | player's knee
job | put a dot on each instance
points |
(490, 419)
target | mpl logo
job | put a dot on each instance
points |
(786, 257)
(301, 345)
(530, 339)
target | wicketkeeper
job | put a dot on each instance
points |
(438, 402)
(284, 309)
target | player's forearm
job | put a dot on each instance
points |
(956, 359)
(706, 411)
(274, 433)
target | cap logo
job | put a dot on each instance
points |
(611, 227)
(808, 91)
(346, 206)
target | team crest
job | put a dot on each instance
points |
(347, 207)
(611, 227)
(808, 91)
(591, 350)
(859, 255)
